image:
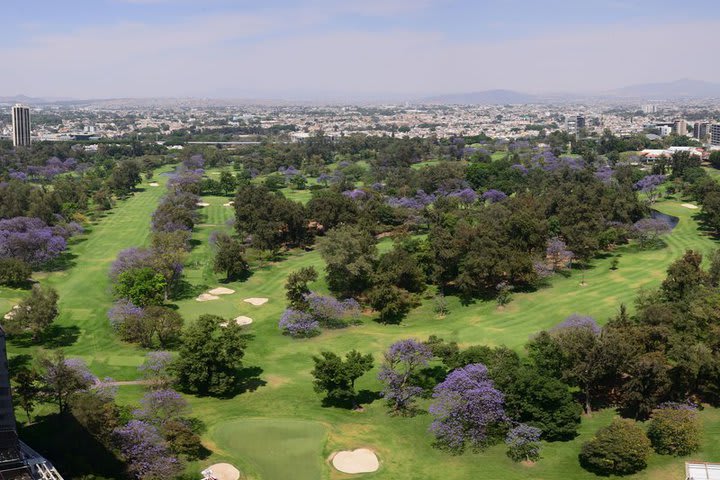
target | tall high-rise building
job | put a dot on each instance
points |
(680, 127)
(649, 108)
(21, 125)
(17, 460)
(700, 130)
(580, 122)
(715, 134)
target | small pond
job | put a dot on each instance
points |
(671, 220)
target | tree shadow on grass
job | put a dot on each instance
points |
(56, 336)
(249, 380)
(18, 362)
(363, 397)
(64, 262)
(186, 290)
(71, 449)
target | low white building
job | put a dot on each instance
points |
(702, 471)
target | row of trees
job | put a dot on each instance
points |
(144, 279)
(656, 364)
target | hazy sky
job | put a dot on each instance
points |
(326, 48)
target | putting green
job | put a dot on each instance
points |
(274, 449)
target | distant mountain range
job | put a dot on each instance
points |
(24, 99)
(678, 89)
(684, 88)
(487, 97)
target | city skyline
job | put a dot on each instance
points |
(322, 49)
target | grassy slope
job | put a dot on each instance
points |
(403, 444)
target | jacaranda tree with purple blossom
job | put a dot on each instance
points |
(557, 253)
(156, 369)
(649, 185)
(494, 196)
(468, 410)
(61, 377)
(647, 231)
(30, 240)
(331, 312)
(298, 324)
(160, 406)
(146, 451)
(398, 372)
(523, 443)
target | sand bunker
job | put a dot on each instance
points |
(229, 204)
(241, 320)
(690, 206)
(206, 297)
(11, 313)
(361, 460)
(220, 291)
(202, 204)
(221, 471)
(154, 184)
(256, 301)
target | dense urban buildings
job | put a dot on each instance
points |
(21, 125)
(715, 134)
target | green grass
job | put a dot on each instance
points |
(299, 442)
(248, 430)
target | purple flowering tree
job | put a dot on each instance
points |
(62, 377)
(494, 196)
(330, 312)
(298, 324)
(146, 451)
(401, 363)
(468, 409)
(129, 259)
(156, 369)
(523, 443)
(466, 196)
(159, 406)
(649, 185)
(355, 194)
(124, 312)
(30, 240)
(558, 255)
(604, 174)
(647, 231)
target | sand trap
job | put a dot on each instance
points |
(221, 471)
(220, 291)
(361, 460)
(690, 206)
(154, 184)
(242, 321)
(11, 313)
(228, 204)
(256, 301)
(206, 297)
(202, 204)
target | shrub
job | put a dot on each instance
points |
(675, 430)
(523, 443)
(14, 272)
(621, 448)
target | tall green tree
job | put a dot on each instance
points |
(36, 313)
(350, 254)
(336, 378)
(210, 357)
